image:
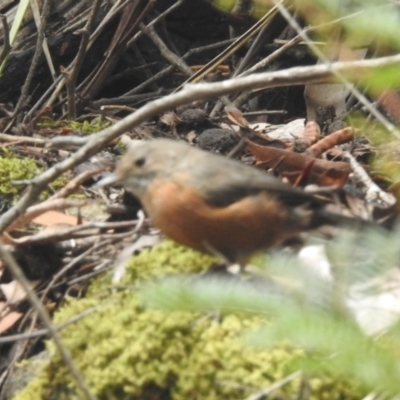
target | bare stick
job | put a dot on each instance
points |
(190, 93)
(373, 193)
(71, 77)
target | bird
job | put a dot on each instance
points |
(214, 204)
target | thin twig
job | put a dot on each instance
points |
(71, 265)
(40, 26)
(23, 139)
(36, 57)
(112, 13)
(272, 57)
(171, 68)
(39, 209)
(262, 64)
(73, 185)
(170, 56)
(237, 44)
(58, 84)
(128, 24)
(373, 193)
(276, 385)
(19, 276)
(155, 21)
(76, 232)
(6, 39)
(190, 93)
(73, 75)
(46, 332)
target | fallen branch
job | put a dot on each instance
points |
(190, 93)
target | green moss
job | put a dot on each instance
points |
(14, 168)
(86, 127)
(165, 259)
(128, 352)
(89, 127)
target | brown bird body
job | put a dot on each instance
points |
(211, 203)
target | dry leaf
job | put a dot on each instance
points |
(55, 217)
(339, 137)
(14, 292)
(7, 317)
(291, 165)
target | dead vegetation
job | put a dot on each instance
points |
(254, 82)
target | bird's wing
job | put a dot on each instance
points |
(232, 192)
(239, 181)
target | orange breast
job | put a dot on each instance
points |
(235, 231)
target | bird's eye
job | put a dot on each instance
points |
(140, 162)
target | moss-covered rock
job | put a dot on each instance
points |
(127, 352)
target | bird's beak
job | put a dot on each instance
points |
(108, 180)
